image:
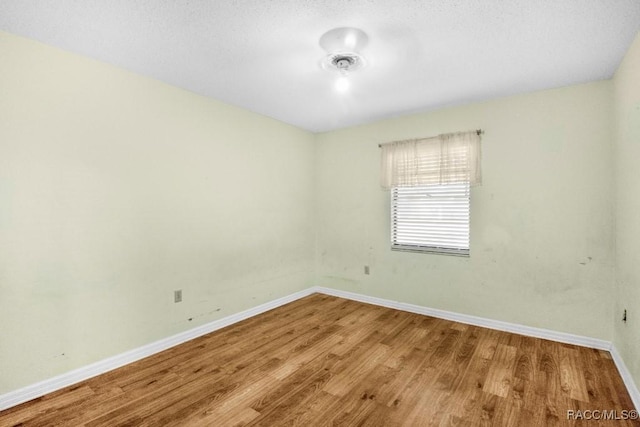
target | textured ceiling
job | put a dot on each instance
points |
(264, 55)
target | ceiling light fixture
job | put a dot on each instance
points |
(342, 84)
(343, 47)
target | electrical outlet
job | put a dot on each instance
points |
(177, 295)
(624, 316)
(366, 269)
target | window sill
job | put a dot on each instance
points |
(432, 250)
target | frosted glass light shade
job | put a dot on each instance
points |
(343, 39)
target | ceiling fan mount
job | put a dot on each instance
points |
(344, 62)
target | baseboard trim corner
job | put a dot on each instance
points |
(632, 388)
(33, 391)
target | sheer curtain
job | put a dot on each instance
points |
(444, 159)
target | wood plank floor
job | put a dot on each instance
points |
(323, 360)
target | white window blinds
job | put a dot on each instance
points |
(431, 218)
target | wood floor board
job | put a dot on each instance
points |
(400, 351)
(414, 399)
(390, 392)
(487, 345)
(296, 387)
(572, 381)
(323, 360)
(351, 411)
(45, 406)
(313, 411)
(397, 328)
(355, 369)
(499, 377)
(464, 406)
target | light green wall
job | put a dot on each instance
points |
(116, 189)
(627, 201)
(541, 223)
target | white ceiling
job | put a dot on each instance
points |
(264, 55)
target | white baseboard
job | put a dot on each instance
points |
(626, 377)
(473, 320)
(33, 391)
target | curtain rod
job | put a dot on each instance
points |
(478, 132)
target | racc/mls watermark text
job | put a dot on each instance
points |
(602, 414)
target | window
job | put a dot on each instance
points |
(430, 181)
(431, 218)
